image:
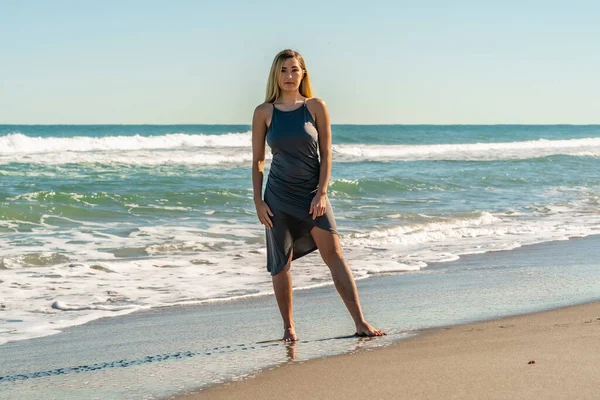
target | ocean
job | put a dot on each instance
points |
(104, 220)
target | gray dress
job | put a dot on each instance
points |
(291, 186)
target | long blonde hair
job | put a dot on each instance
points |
(273, 90)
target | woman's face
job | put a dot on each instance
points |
(291, 75)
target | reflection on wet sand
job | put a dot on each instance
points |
(291, 350)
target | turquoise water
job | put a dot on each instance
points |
(105, 220)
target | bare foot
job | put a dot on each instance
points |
(289, 335)
(365, 329)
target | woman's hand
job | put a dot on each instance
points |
(318, 206)
(263, 211)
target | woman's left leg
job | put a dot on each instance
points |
(331, 252)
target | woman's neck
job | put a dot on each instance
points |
(290, 98)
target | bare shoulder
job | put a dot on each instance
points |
(318, 109)
(263, 108)
(316, 103)
(262, 113)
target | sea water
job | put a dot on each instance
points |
(99, 221)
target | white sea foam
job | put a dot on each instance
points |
(470, 151)
(91, 273)
(66, 307)
(17, 143)
(234, 149)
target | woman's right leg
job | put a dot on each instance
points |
(282, 285)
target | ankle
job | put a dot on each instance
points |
(289, 326)
(360, 322)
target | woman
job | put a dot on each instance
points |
(296, 212)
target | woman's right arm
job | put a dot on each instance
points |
(259, 131)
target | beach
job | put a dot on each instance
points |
(167, 352)
(132, 264)
(546, 355)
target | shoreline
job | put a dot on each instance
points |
(541, 354)
(171, 351)
(58, 329)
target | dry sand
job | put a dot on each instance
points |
(486, 360)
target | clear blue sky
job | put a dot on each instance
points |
(408, 62)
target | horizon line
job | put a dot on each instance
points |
(390, 124)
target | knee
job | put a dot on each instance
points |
(332, 256)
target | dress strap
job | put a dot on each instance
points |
(305, 110)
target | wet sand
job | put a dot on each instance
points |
(546, 355)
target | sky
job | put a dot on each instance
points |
(372, 62)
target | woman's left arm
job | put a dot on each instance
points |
(319, 203)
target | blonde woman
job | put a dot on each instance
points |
(295, 211)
